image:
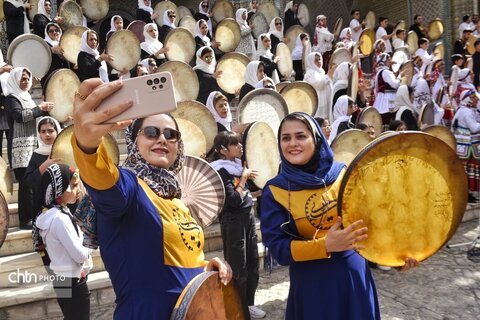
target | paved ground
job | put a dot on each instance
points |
(446, 286)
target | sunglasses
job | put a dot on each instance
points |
(53, 30)
(172, 16)
(151, 132)
(205, 5)
(278, 23)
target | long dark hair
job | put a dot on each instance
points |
(222, 141)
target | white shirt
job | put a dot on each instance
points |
(379, 35)
(397, 43)
(355, 34)
(324, 40)
(426, 58)
(463, 26)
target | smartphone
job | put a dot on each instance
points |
(151, 94)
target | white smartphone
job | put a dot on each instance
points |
(151, 94)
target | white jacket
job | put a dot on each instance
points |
(63, 244)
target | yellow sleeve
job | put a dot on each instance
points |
(97, 169)
(309, 250)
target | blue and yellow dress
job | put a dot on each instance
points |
(151, 246)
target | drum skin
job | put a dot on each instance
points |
(189, 23)
(222, 9)
(348, 144)
(20, 54)
(260, 23)
(71, 41)
(435, 29)
(370, 20)
(72, 14)
(6, 181)
(181, 45)
(4, 219)
(269, 10)
(124, 46)
(340, 55)
(408, 72)
(263, 157)
(410, 189)
(338, 27)
(300, 96)
(471, 44)
(439, 50)
(427, 115)
(228, 34)
(184, 90)
(163, 6)
(223, 301)
(60, 89)
(353, 79)
(197, 126)
(233, 66)
(371, 116)
(285, 64)
(95, 9)
(303, 14)
(412, 41)
(292, 34)
(400, 25)
(368, 38)
(30, 12)
(442, 133)
(62, 147)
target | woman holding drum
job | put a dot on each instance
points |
(265, 55)
(276, 33)
(205, 15)
(301, 227)
(92, 64)
(145, 11)
(22, 141)
(316, 76)
(151, 47)
(53, 33)
(404, 109)
(246, 44)
(43, 17)
(151, 246)
(116, 23)
(202, 37)
(342, 114)
(254, 73)
(169, 17)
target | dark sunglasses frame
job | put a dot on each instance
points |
(152, 132)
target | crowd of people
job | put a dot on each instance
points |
(132, 212)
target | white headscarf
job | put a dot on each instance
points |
(47, 38)
(209, 22)
(312, 67)
(84, 47)
(402, 98)
(112, 23)
(463, 75)
(151, 45)
(465, 100)
(298, 49)
(202, 65)
(251, 73)
(340, 76)
(261, 84)
(41, 9)
(343, 34)
(261, 51)
(238, 16)
(166, 19)
(13, 87)
(198, 33)
(273, 30)
(142, 6)
(46, 149)
(339, 115)
(289, 5)
(226, 122)
(26, 25)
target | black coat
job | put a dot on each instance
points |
(208, 84)
(246, 88)
(58, 62)
(40, 21)
(87, 66)
(162, 33)
(143, 15)
(290, 20)
(33, 179)
(14, 19)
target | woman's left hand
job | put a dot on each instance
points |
(223, 268)
(409, 264)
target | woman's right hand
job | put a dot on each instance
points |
(217, 74)
(106, 57)
(249, 173)
(47, 163)
(338, 239)
(46, 106)
(90, 125)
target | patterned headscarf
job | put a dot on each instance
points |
(55, 181)
(162, 181)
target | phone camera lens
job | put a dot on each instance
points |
(154, 87)
(149, 82)
(156, 81)
(163, 79)
(160, 86)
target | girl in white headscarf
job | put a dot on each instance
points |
(403, 107)
(346, 38)
(22, 140)
(297, 53)
(246, 44)
(464, 82)
(116, 23)
(340, 84)
(253, 74)
(265, 55)
(316, 76)
(218, 106)
(169, 17)
(53, 34)
(152, 47)
(16, 18)
(145, 11)
(204, 14)
(386, 85)
(342, 112)
(42, 17)
(276, 32)
(92, 64)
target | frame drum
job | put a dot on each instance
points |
(228, 34)
(285, 63)
(263, 105)
(453, 80)
(340, 55)
(370, 20)
(409, 71)
(71, 41)
(303, 14)
(353, 79)
(181, 45)
(161, 7)
(197, 126)
(32, 52)
(6, 184)
(72, 14)
(95, 9)
(261, 24)
(224, 301)
(182, 12)
(261, 152)
(442, 133)
(202, 190)
(439, 50)
(189, 23)
(400, 25)
(184, 90)
(367, 38)
(62, 147)
(269, 10)
(60, 89)
(348, 144)
(281, 85)
(371, 116)
(435, 29)
(136, 27)
(471, 44)
(4, 219)
(222, 9)
(427, 115)
(399, 57)
(307, 49)
(421, 204)
(292, 34)
(124, 46)
(338, 27)
(30, 12)
(233, 66)
(412, 41)
(300, 96)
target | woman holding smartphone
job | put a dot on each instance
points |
(143, 227)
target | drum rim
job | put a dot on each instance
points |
(238, 56)
(233, 26)
(337, 28)
(435, 127)
(301, 84)
(88, 5)
(422, 111)
(222, 3)
(4, 215)
(189, 37)
(25, 37)
(364, 111)
(352, 89)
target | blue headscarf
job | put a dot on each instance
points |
(293, 177)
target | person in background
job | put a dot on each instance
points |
(254, 73)
(169, 19)
(204, 14)
(418, 27)
(460, 46)
(399, 41)
(53, 34)
(368, 128)
(325, 126)
(297, 53)
(291, 15)
(342, 114)
(397, 125)
(246, 44)
(355, 25)
(116, 24)
(4, 127)
(466, 20)
(16, 18)
(476, 65)
(276, 33)
(145, 12)
(323, 39)
(43, 17)
(316, 76)
(151, 47)
(382, 34)
(265, 55)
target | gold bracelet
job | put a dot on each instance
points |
(81, 96)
